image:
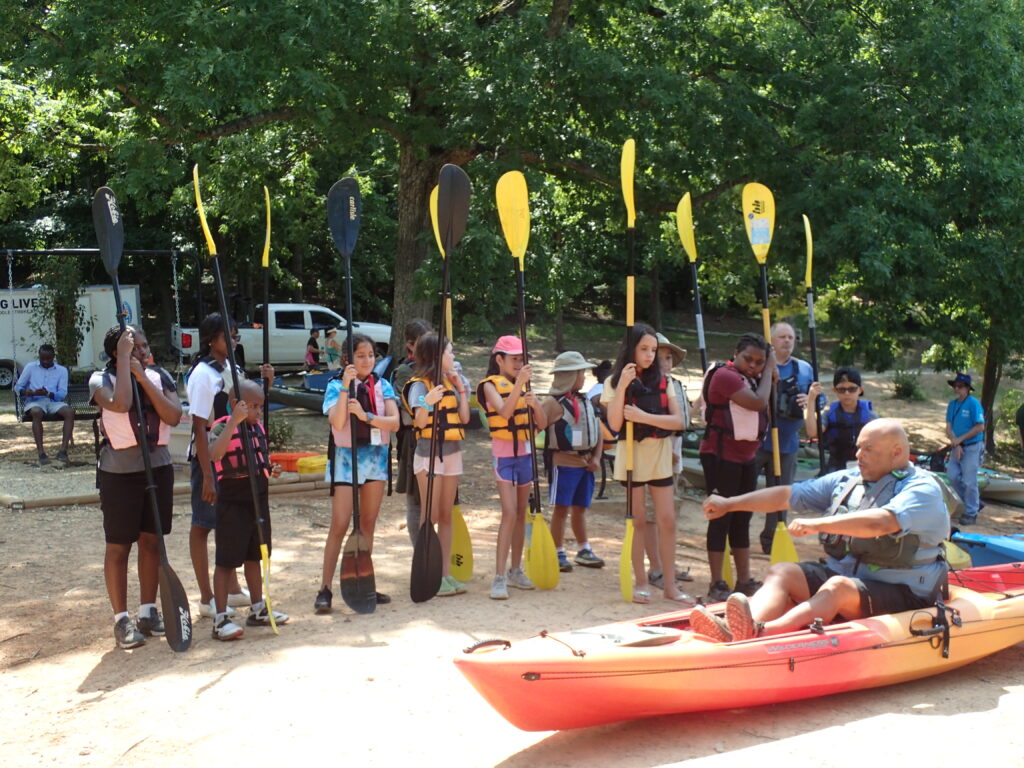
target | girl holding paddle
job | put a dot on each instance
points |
(638, 391)
(507, 402)
(421, 396)
(121, 475)
(372, 401)
(735, 396)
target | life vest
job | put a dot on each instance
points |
(220, 399)
(518, 427)
(370, 395)
(578, 429)
(448, 418)
(652, 400)
(841, 430)
(233, 463)
(885, 551)
(722, 419)
(121, 430)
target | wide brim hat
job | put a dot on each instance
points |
(678, 353)
(567, 366)
(961, 378)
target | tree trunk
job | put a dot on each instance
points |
(417, 175)
(655, 313)
(989, 386)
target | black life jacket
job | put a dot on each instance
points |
(652, 400)
(718, 417)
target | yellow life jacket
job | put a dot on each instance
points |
(516, 428)
(448, 418)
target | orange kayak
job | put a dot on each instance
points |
(657, 666)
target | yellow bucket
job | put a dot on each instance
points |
(311, 465)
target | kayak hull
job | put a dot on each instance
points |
(612, 673)
(990, 550)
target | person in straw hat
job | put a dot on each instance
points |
(574, 439)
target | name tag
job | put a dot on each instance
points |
(577, 437)
(376, 438)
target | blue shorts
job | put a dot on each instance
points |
(373, 464)
(517, 470)
(204, 514)
(571, 486)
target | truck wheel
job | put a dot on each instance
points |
(240, 357)
(6, 375)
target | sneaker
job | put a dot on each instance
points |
(966, 519)
(62, 456)
(517, 578)
(44, 460)
(703, 622)
(261, 617)
(748, 587)
(239, 599)
(383, 599)
(227, 630)
(740, 621)
(588, 559)
(718, 592)
(210, 609)
(563, 563)
(656, 579)
(152, 625)
(450, 587)
(499, 588)
(322, 604)
(126, 635)
(460, 588)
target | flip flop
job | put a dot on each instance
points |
(641, 596)
(682, 599)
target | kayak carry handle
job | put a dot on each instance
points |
(486, 644)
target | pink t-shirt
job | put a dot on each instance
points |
(726, 382)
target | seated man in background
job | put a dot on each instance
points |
(43, 386)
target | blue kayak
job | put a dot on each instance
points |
(991, 550)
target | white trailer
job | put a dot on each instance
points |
(19, 343)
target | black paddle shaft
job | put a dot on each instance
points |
(772, 478)
(249, 454)
(521, 290)
(350, 346)
(699, 315)
(814, 367)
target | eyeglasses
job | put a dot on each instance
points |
(236, 337)
(847, 390)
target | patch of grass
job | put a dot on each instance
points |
(907, 386)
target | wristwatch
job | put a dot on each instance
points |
(369, 417)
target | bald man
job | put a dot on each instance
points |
(882, 529)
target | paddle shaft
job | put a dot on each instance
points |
(699, 317)
(814, 367)
(775, 478)
(435, 439)
(266, 347)
(350, 347)
(521, 290)
(630, 294)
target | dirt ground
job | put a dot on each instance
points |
(381, 690)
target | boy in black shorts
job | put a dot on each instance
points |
(236, 536)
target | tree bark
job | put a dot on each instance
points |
(989, 386)
(655, 314)
(417, 175)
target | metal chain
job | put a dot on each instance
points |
(14, 340)
(177, 311)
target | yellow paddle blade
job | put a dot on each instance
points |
(266, 243)
(433, 219)
(210, 245)
(684, 223)
(462, 547)
(727, 576)
(626, 166)
(514, 212)
(956, 557)
(265, 559)
(542, 564)
(759, 218)
(810, 250)
(783, 549)
(626, 563)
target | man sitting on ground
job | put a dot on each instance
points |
(882, 530)
(43, 386)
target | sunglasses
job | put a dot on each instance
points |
(847, 390)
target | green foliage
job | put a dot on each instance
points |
(1006, 413)
(907, 386)
(280, 433)
(58, 318)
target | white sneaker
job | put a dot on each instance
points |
(239, 599)
(209, 610)
(227, 630)
(517, 578)
(499, 588)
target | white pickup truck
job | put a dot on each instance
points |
(290, 325)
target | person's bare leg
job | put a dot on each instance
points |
(341, 515)
(197, 548)
(784, 586)
(507, 496)
(838, 595)
(148, 564)
(519, 526)
(115, 574)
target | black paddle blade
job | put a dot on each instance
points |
(425, 578)
(453, 192)
(358, 586)
(106, 216)
(177, 616)
(344, 210)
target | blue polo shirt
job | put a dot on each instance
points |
(963, 415)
